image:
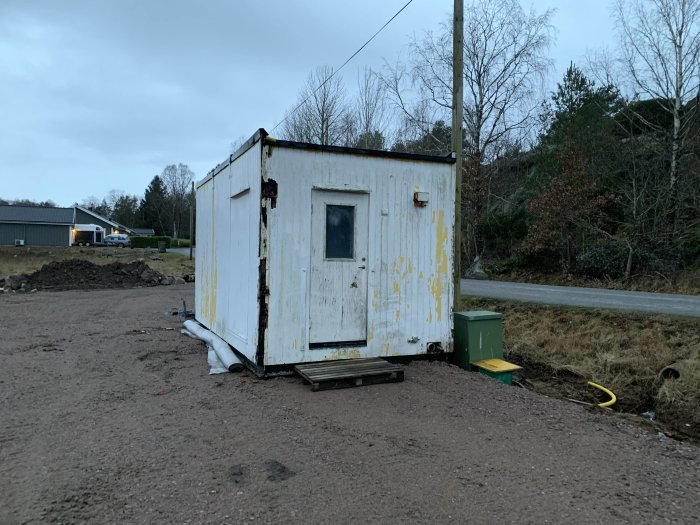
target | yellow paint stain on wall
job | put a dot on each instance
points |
(398, 315)
(208, 286)
(396, 268)
(212, 304)
(402, 259)
(420, 275)
(441, 259)
(430, 317)
(433, 217)
(370, 335)
(410, 266)
(375, 301)
(386, 348)
(213, 273)
(396, 287)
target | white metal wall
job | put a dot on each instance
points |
(410, 251)
(226, 265)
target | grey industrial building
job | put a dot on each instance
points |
(36, 226)
(85, 216)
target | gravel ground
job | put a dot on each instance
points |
(109, 416)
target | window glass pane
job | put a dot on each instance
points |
(340, 232)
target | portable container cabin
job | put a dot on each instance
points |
(311, 253)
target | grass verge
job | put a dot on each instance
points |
(562, 348)
(682, 282)
(28, 259)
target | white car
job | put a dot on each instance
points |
(117, 239)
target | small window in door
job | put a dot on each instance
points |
(340, 232)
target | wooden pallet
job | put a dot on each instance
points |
(347, 373)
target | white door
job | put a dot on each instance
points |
(338, 277)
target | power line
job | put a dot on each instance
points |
(342, 66)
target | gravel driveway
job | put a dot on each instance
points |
(108, 416)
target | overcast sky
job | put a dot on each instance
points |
(102, 94)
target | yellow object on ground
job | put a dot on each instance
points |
(496, 369)
(496, 365)
(613, 397)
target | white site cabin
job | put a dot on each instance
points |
(312, 253)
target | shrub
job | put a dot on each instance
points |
(603, 260)
(692, 245)
(647, 260)
(502, 231)
(149, 242)
(544, 261)
(180, 243)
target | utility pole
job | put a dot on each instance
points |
(191, 220)
(457, 146)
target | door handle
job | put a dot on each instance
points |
(362, 267)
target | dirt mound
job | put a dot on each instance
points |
(78, 274)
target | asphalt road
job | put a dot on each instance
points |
(662, 303)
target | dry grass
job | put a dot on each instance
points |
(622, 351)
(15, 260)
(682, 282)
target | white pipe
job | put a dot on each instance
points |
(221, 348)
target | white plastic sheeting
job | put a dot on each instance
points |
(221, 358)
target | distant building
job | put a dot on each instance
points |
(35, 226)
(39, 226)
(142, 232)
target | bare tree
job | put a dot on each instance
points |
(320, 114)
(641, 180)
(177, 180)
(235, 144)
(112, 197)
(370, 112)
(504, 69)
(92, 203)
(28, 202)
(414, 115)
(661, 54)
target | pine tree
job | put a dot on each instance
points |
(153, 207)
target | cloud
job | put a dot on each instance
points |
(103, 94)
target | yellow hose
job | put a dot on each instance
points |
(613, 397)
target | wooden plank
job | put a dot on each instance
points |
(338, 369)
(332, 366)
(343, 375)
(348, 373)
(396, 377)
(346, 362)
(344, 365)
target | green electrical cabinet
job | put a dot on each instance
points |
(478, 335)
(478, 345)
